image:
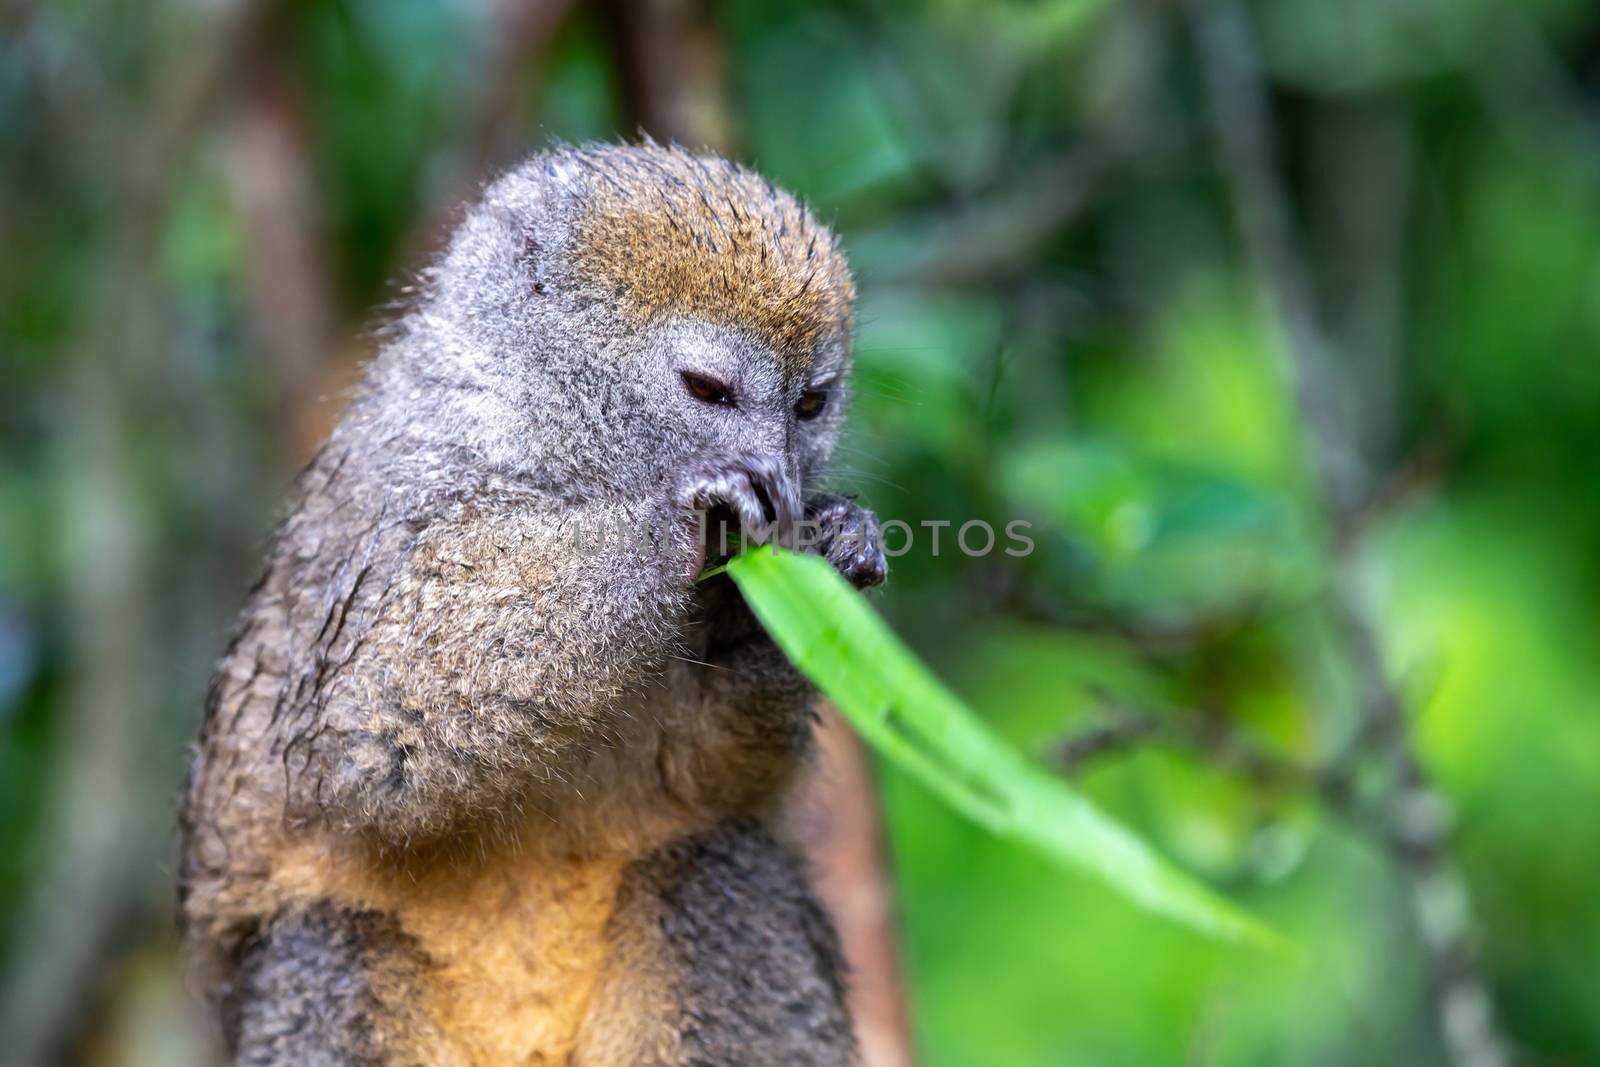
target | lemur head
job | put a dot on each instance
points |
(605, 313)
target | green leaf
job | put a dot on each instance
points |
(905, 713)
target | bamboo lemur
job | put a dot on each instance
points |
(481, 782)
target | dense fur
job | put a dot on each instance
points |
(310, 988)
(717, 242)
(742, 965)
(484, 771)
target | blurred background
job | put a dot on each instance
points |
(1279, 320)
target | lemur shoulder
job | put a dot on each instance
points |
(486, 775)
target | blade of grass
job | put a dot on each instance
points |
(904, 712)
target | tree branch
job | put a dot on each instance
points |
(270, 174)
(519, 38)
(94, 817)
(670, 67)
(1212, 738)
(1417, 829)
(836, 815)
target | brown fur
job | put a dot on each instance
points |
(676, 233)
(513, 938)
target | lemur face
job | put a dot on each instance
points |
(730, 394)
(646, 308)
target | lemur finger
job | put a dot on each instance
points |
(849, 537)
(858, 553)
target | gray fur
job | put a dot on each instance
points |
(304, 991)
(757, 961)
(449, 636)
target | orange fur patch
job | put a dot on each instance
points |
(516, 942)
(673, 233)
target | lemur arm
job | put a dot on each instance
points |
(495, 656)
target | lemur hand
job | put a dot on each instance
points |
(848, 536)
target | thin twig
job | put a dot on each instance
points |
(995, 236)
(1243, 130)
(271, 176)
(1212, 738)
(836, 815)
(1413, 811)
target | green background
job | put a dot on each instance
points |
(1059, 321)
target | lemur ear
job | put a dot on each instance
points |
(534, 262)
(523, 237)
(521, 213)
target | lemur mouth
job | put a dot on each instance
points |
(728, 623)
(723, 536)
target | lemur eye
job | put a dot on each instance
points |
(811, 404)
(707, 390)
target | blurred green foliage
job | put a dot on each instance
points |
(1057, 323)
